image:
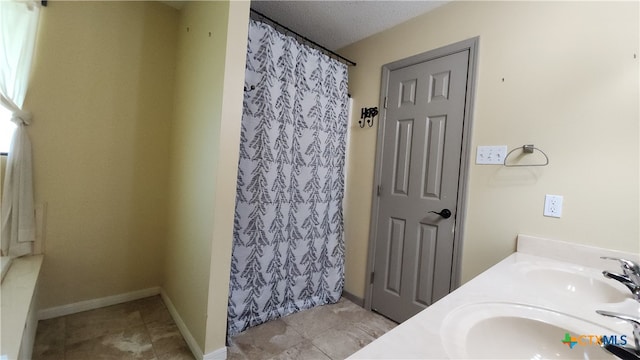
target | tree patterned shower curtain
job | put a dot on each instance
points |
(288, 248)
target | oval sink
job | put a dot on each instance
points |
(516, 331)
(576, 285)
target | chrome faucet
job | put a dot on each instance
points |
(624, 280)
(624, 352)
(630, 277)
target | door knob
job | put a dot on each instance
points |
(445, 213)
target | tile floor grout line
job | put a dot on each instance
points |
(325, 354)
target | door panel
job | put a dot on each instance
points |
(403, 157)
(439, 86)
(396, 245)
(434, 157)
(408, 91)
(421, 152)
(426, 259)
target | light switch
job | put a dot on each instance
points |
(491, 155)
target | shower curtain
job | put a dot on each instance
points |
(288, 248)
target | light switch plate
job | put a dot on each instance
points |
(491, 155)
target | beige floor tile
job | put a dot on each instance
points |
(311, 323)
(234, 352)
(50, 338)
(100, 322)
(350, 312)
(132, 343)
(305, 350)
(182, 353)
(82, 349)
(54, 354)
(342, 341)
(334, 331)
(143, 329)
(375, 325)
(165, 337)
(152, 309)
(266, 340)
(127, 344)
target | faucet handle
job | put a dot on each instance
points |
(634, 321)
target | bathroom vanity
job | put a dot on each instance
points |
(538, 303)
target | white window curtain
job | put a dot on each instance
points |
(18, 27)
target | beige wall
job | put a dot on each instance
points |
(101, 94)
(128, 110)
(571, 87)
(227, 174)
(210, 73)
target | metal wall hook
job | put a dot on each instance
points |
(367, 115)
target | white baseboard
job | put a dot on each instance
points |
(220, 354)
(69, 309)
(186, 334)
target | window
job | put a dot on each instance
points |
(6, 129)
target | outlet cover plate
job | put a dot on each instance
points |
(553, 205)
(491, 155)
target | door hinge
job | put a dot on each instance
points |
(379, 190)
(385, 102)
(371, 278)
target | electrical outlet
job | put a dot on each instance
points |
(553, 205)
(491, 155)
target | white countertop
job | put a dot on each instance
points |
(521, 278)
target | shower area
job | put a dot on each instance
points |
(288, 246)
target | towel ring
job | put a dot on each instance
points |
(527, 149)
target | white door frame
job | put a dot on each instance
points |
(472, 46)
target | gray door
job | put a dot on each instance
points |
(422, 141)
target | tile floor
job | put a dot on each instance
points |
(325, 332)
(143, 329)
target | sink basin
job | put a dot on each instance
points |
(576, 285)
(517, 331)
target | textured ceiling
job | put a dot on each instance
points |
(335, 24)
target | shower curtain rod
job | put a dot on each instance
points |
(306, 39)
